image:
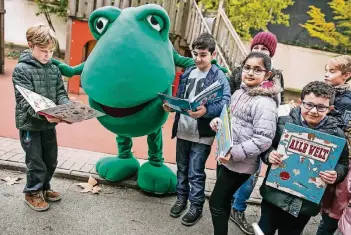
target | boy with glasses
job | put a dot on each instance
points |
(285, 212)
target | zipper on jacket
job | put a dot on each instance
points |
(47, 82)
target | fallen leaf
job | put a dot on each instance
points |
(95, 189)
(11, 180)
(90, 186)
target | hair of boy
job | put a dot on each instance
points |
(266, 39)
(267, 62)
(319, 89)
(203, 42)
(342, 63)
(41, 36)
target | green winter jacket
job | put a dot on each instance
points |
(44, 79)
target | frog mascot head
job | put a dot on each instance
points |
(131, 62)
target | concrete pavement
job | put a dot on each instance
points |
(116, 210)
(79, 164)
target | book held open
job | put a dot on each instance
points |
(71, 112)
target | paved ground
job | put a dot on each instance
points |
(79, 164)
(116, 210)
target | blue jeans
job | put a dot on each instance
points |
(244, 192)
(41, 158)
(191, 158)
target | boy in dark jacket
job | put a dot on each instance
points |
(285, 212)
(36, 72)
(336, 198)
(194, 134)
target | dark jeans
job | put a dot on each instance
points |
(274, 218)
(41, 158)
(327, 226)
(191, 158)
(220, 202)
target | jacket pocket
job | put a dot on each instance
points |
(205, 128)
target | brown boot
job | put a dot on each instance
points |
(36, 201)
(52, 196)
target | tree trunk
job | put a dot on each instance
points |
(48, 19)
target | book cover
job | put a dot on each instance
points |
(211, 94)
(223, 135)
(177, 104)
(306, 152)
(71, 112)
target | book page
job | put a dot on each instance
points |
(213, 95)
(208, 89)
(35, 100)
(73, 112)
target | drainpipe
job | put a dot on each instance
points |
(2, 37)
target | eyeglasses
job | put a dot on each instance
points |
(256, 71)
(320, 108)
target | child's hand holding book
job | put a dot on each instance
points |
(201, 111)
(166, 108)
(216, 124)
(225, 160)
(275, 158)
(328, 177)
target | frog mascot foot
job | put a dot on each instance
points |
(156, 178)
(117, 168)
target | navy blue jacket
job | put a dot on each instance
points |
(213, 109)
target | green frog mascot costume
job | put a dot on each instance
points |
(131, 63)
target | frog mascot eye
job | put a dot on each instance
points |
(101, 25)
(155, 22)
(101, 19)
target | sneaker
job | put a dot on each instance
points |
(36, 201)
(52, 196)
(238, 217)
(178, 208)
(193, 215)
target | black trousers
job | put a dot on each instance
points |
(274, 218)
(41, 158)
(327, 226)
(220, 202)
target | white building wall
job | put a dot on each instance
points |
(20, 15)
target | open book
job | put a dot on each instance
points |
(71, 112)
(224, 136)
(211, 94)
